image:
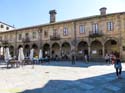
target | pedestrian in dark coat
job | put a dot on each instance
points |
(73, 59)
(118, 66)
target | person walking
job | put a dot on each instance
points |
(73, 59)
(86, 58)
(118, 67)
(107, 58)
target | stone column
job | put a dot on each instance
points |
(89, 51)
(60, 49)
(50, 51)
(120, 48)
(103, 51)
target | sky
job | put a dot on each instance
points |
(25, 13)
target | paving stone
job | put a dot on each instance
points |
(71, 90)
(113, 87)
(62, 77)
(84, 85)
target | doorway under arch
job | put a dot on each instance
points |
(55, 50)
(66, 50)
(96, 49)
(111, 46)
(27, 50)
(46, 50)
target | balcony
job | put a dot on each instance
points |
(55, 37)
(26, 40)
(5, 42)
(95, 34)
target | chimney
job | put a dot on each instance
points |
(103, 11)
(52, 16)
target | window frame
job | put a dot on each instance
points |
(95, 28)
(45, 33)
(20, 36)
(65, 31)
(110, 26)
(81, 29)
(34, 35)
(7, 28)
(1, 26)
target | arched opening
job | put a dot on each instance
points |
(11, 48)
(82, 49)
(26, 50)
(111, 46)
(55, 50)
(36, 52)
(20, 46)
(66, 49)
(96, 49)
(1, 52)
(46, 50)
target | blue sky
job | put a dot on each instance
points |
(23, 13)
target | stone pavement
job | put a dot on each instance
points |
(62, 77)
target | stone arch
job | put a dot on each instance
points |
(96, 49)
(111, 38)
(46, 50)
(11, 48)
(27, 50)
(1, 52)
(20, 46)
(98, 40)
(82, 47)
(34, 46)
(36, 51)
(66, 50)
(111, 45)
(55, 50)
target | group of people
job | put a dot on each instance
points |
(114, 58)
(86, 58)
(108, 58)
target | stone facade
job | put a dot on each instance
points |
(5, 27)
(94, 36)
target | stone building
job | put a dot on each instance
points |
(5, 27)
(94, 35)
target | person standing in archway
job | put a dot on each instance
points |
(73, 59)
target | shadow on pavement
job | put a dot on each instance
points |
(77, 64)
(107, 83)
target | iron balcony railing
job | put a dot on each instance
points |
(95, 34)
(55, 37)
(26, 40)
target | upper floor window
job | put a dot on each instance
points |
(65, 31)
(34, 35)
(20, 37)
(11, 37)
(7, 28)
(2, 26)
(27, 34)
(95, 28)
(81, 29)
(0, 37)
(46, 33)
(109, 26)
(54, 31)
